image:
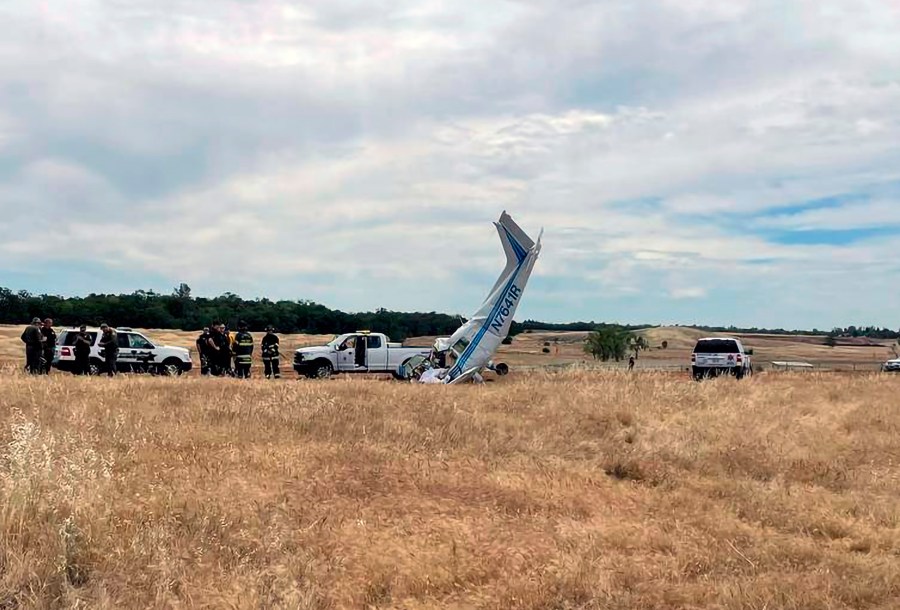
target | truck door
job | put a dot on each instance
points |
(346, 355)
(376, 355)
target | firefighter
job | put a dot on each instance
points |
(203, 351)
(243, 351)
(271, 355)
(34, 341)
(49, 345)
(109, 345)
(83, 352)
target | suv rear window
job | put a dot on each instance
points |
(717, 346)
(69, 336)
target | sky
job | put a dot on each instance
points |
(690, 161)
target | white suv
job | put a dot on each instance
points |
(717, 355)
(891, 366)
(137, 353)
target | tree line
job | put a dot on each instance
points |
(872, 332)
(181, 310)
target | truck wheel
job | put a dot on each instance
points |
(739, 373)
(699, 374)
(502, 369)
(321, 370)
(171, 367)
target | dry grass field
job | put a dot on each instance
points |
(579, 489)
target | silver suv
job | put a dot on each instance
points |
(137, 353)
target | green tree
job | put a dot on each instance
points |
(637, 344)
(607, 343)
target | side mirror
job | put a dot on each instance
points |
(749, 352)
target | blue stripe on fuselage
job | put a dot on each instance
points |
(520, 252)
(470, 349)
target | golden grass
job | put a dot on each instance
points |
(574, 490)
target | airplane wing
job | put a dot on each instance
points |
(473, 345)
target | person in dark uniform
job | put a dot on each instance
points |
(219, 353)
(82, 352)
(49, 347)
(109, 346)
(271, 353)
(243, 351)
(631, 363)
(203, 351)
(34, 345)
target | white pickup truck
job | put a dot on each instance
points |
(359, 352)
(717, 355)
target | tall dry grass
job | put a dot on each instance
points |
(575, 490)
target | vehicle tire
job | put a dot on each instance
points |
(95, 367)
(739, 373)
(502, 369)
(321, 369)
(698, 374)
(171, 367)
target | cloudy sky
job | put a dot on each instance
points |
(690, 160)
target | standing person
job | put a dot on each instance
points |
(230, 337)
(34, 341)
(203, 350)
(49, 347)
(219, 351)
(109, 345)
(631, 363)
(271, 353)
(243, 351)
(83, 352)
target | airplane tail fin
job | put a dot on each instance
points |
(516, 245)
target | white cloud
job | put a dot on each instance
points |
(267, 145)
(688, 292)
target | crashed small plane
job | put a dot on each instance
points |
(464, 355)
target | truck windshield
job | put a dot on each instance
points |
(716, 346)
(337, 341)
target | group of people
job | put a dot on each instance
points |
(225, 354)
(109, 348)
(40, 343)
(221, 352)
